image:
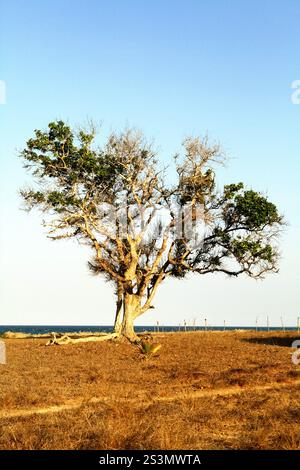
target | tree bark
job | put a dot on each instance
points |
(131, 307)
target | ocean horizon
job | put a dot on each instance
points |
(42, 329)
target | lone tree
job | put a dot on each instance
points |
(141, 230)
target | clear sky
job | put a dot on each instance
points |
(171, 68)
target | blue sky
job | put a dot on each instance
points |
(171, 68)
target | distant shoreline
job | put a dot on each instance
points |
(46, 329)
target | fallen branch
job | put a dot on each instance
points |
(65, 339)
(79, 334)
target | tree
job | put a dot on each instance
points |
(141, 230)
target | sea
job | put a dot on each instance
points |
(42, 329)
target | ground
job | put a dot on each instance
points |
(205, 390)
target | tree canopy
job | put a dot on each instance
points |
(141, 230)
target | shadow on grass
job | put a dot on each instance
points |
(274, 340)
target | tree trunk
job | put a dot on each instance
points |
(131, 307)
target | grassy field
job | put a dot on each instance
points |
(205, 390)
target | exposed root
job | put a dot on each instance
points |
(65, 339)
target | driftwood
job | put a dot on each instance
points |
(57, 335)
(71, 337)
(65, 339)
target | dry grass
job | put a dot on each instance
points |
(154, 403)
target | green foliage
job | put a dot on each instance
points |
(230, 190)
(255, 209)
(75, 180)
(249, 209)
(57, 153)
(149, 349)
(67, 161)
(246, 246)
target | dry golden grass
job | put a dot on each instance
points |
(175, 401)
